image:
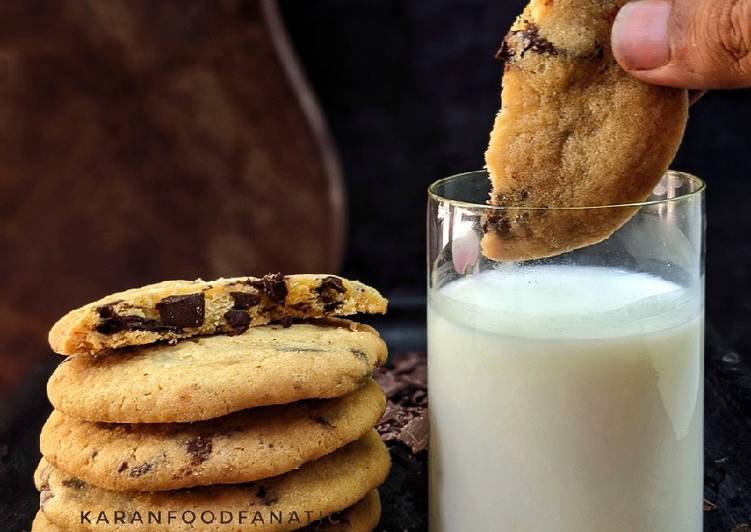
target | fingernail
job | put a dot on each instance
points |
(640, 34)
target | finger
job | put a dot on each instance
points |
(693, 44)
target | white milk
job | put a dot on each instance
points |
(565, 399)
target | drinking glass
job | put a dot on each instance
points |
(566, 393)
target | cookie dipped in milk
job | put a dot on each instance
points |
(565, 300)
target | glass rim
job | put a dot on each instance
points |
(700, 187)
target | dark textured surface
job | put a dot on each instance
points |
(727, 439)
(405, 429)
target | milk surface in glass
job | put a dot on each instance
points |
(567, 399)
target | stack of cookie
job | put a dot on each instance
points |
(238, 404)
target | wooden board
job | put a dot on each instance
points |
(142, 141)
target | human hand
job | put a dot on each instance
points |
(691, 44)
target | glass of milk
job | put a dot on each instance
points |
(566, 394)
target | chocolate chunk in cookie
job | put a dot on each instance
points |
(244, 300)
(172, 310)
(199, 448)
(238, 320)
(182, 311)
(272, 286)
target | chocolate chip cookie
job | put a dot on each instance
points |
(206, 377)
(241, 447)
(362, 517)
(574, 130)
(282, 503)
(180, 309)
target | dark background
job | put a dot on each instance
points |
(410, 90)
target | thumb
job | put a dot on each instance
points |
(692, 44)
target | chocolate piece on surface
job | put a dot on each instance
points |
(416, 433)
(406, 416)
(404, 427)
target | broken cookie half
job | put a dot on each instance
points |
(575, 133)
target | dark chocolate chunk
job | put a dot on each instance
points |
(529, 40)
(332, 283)
(262, 493)
(416, 432)
(182, 311)
(419, 397)
(244, 300)
(497, 223)
(112, 322)
(107, 311)
(74, 483)
(141, 470)
(122, 467)
(272, 286)
(276, 287)
(199, 449)
(329, 291)
(390, 384)
(335, 283)
(128, 323)
(405, 384)
(239, 320)
(533, 42)
(286, 321)
(107, 325)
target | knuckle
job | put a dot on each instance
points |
(732, 29)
